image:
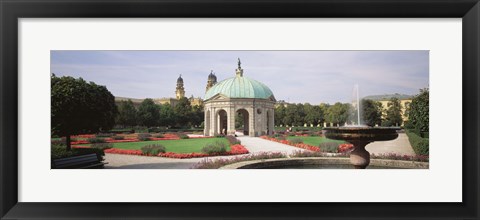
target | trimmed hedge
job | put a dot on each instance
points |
(153, 149)
(420, 145)
(330, 147)
(215, 148)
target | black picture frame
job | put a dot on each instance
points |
(12, 10)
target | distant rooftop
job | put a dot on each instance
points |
(388, 97)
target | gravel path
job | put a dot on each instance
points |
(256, 145)
(401, 146)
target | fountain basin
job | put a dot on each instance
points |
(323, 163)
(361, 133)
(359, 137)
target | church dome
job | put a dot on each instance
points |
(180, 79)
(240, 87)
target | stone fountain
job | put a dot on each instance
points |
(360, 135)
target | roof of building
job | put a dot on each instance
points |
(240, 87)
(387, 97)
(180, 79)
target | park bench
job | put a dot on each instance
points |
(87, 161)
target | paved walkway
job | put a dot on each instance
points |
(253, 144)
(400, 146)
(256, 145)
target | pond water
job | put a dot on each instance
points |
(322, 166)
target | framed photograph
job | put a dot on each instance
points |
(249, 110)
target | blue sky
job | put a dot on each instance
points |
(293, 76)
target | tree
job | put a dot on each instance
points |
(79, 107)
(290, 111)
(299, 116)
(167, 115)
(394, 113)
(323, 109)
(127, 114)
(419, 111)
(371, 112)
(183, 111)
(279, 114)
(148, 113)
(313, 114)
(338, 113)
(198, 114)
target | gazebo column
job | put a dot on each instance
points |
(231, 121)
(251, 122)
(211, 131)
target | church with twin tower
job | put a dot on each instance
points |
(238, 96)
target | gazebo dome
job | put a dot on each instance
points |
(240, 87)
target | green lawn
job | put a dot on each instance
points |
(314, 141)
(176, 146)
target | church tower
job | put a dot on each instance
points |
(180, 92)
(212, 80)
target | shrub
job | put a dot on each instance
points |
(153, 149)
(96, 140)
(233, 140)
(58, 143)
(159, 136)
(420, 145)
(296, 141)
(144, 136)
(118, 137)
(313, 134)
(219, 136)
(216, 148)
(277, 135)
(102, 146)
(61, 152)
(103, 135)
(183, 136)
(330, 147)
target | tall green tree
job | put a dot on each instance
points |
(313, 114)
(419, 111)
(198, 115)
(183, 112)
(279, 115)
(80, 107)
(338, 113)
(299, 117)
(393, 113)
(167, 116)
(127, 114)
(371, 112)
(148, 113)
(290, 112)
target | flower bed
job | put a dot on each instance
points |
(234, 150)
(343, 148)
(220, 162)
(392, 156)
(299, 145)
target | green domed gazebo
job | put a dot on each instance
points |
(251, 99)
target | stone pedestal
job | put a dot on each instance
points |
(359, 157)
